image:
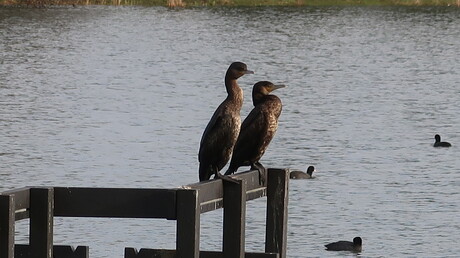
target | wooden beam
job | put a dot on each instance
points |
(21, 202)
(164, 253)
(211, 192)
(7, 226)
(115, 202)
(66, 251)
(188, 224)
(41, 222)
(21, 197)
(149, 253)
(59, 251)
(234, 219)
(277, 211)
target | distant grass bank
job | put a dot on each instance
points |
(179, 3)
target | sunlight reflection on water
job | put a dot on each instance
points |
(119, 97)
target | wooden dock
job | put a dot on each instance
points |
(185, 204)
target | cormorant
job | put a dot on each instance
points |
(303, 175)
(355, 246)
(438, 142)
(221, 133)
(258, 129)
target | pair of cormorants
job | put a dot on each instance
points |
(225, 136)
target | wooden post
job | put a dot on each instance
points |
(277, 211)
(234, 219)
(41, 222)
(188, 224)
(7, 212)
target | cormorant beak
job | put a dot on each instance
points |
(248, 72)
(275, 87)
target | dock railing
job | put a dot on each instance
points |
(184, 204)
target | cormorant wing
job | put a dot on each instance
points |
(252, 128)
(210, 132)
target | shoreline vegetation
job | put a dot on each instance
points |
(196, 3)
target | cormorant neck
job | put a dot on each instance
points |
(257, 98)
(233, 89)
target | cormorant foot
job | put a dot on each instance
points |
(262, 172)
(225, 178)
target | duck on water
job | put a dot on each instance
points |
(302, 175)
(438, 142)
(257, 129)
(355, 246)
(221, 133)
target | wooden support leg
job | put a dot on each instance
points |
(277, 211)
(234, 219)
(188, 224)
(41, 222)
(7, 219)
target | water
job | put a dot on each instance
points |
(119, 97)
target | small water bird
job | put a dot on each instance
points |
(257, 129)
(355, 246)
(221, 133)
(302, 175)
(438, 142)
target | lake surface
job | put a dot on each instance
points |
(119, 97)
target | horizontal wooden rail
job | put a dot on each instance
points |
(114, 202)
(106, 202)
(164, 253)
(211, 193)
(21, 202)
(23, 251)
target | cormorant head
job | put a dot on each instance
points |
(238, 69)
(262, 89)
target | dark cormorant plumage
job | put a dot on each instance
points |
(438, 142)
(258, 129)
(221, 133)
(355, 246)
(302, 175)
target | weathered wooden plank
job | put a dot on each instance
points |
(211, 192)
(21, 197)
(7, 204)
(163, 253)
(277, 211)
(59, 251)
(216, 254)
(21, 202)
(251, 178)
(66, 251)
(115, 202)
(41, 222)
(149, 253)
(234, 219)
(188, 224)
